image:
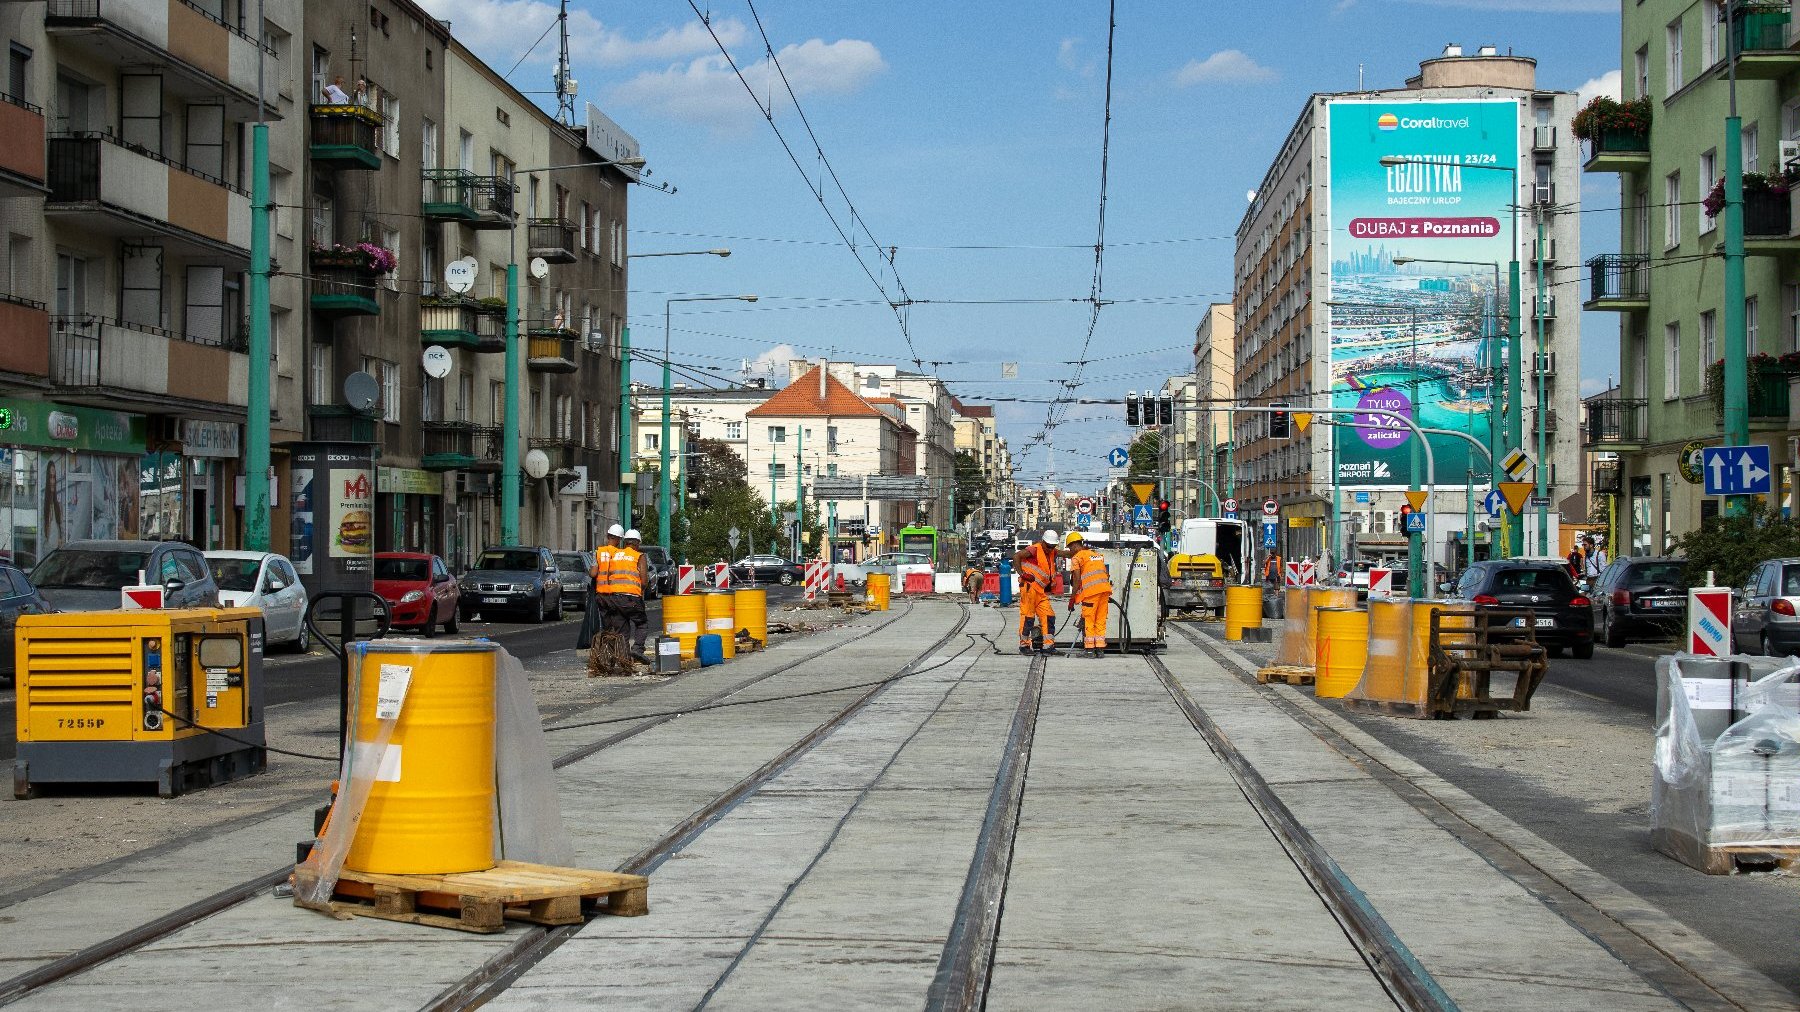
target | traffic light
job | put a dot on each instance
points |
(1131, 409)
(1165, 410)
(1281, 424)
(1162, 516)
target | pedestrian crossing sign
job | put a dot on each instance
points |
(1140, 514)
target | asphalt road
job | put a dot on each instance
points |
(291, 678)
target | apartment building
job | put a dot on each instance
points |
(977, 435)
(720, 415)
(1215, 379)
(1665, 281)
(1370, 273)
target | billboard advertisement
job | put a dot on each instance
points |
(1416, 339)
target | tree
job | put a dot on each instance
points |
(713, 465)
(709, 527)
(1731, 546)
(971, 485)
(1146, 455)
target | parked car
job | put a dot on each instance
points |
(572, 569)
(512, 580)
(852, 573)
(1564, 616)
(767, 569)
(17, 597)
(267, 581)
(662, 572)
(419, 591)
(1640, 598)
(1766, 617)
(88, 575)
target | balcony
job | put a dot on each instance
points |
(340, 423)
(26, 348)
(346, 137)
(1543, 138)
(488, 448)
(1616, 422)
(202, 59)
(552, 239)
(342, 286)
(452, 322)
(1546, 308)
(490, 328)
(1618, 152)
(1759, 35)
(449, 446)
(563, 451)
(116, 363)
(22, 156)
(550, 349)
(128, 192)
(1618, 283)
(453, 195)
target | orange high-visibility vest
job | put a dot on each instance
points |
(625, 576)
(1036, 568)
(1091, 576)
(602, 571)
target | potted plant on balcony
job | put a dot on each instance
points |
(1765, 375)
(365, 257)
(1768, 201)
(1612, 125)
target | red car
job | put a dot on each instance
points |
(419, 590)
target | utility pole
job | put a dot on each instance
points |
(509, 428)
(1539, 375)
(1737, 352)
(627, 456)
(256, 412)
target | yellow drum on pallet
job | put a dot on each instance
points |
(1243, 610)
(432, 809)
(720, 608)
(752, 610)
(877, 592)
(1343, 645)
(683, 614)
(1389, 647)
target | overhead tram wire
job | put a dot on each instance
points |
(850, 243)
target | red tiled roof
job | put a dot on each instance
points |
(800, 399)
(975, 410)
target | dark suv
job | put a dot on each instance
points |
(1565, 617)
(513, 580)
(1640, 599)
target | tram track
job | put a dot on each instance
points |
(89, 957)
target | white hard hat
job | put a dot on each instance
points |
(633, 535)
(1050, 538)
(615, 531)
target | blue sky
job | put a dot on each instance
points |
(960, 125)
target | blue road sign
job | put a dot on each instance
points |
(1415, 522)
(1363, 498)
(1268, 531)
(1140, 514)
(1117, 456)
(1736, 470)
(1230, 515)
(1494, 503)
(1082, 520)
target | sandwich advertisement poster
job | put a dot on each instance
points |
(1414, 339)
(352, 517)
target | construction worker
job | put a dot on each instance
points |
(972, 580)
(1036, 566)
(1092, 595)
(630, 575)
(600, 600)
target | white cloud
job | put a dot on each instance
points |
(1229, 66)
(1595, 385)
(1610, 84)
(772, 365)
(500, 31)
(1068, 57)
(706, 91)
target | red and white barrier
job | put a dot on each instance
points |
(816, 578)
(1709, 621)
(684, 579)
(721, 575)
(1300, 574)
(1381, 583)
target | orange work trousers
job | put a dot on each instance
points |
(1037, 622)
(1093, 621)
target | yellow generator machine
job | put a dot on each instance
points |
(136, 696)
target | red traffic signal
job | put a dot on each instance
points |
(1163, 504)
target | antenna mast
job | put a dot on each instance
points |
(565, 85)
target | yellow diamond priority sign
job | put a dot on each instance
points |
(1416, 498)
(1515, 493)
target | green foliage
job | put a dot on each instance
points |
(1732, 546)
(1146, 454)
(971, 485)
(708, 526)
(713, 466)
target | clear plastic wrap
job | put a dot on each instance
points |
(316, 877)
(531, 825)
(1755, 783)
(1294, 645)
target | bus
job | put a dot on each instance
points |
(946, 551)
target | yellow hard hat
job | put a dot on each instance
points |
(1073, 538)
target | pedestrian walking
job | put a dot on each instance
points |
(595, 619)
(1036, 566)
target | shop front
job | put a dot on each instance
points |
(74, 473)
(408, 510)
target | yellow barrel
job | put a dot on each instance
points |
(1320, 598)
(431, 810)
(1418, 659)
(721, 618)
(1390, 635)
(1343, 644)
(1243, 610)
(878, 592)
(752, 610)
(683, 614)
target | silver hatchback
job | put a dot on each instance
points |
(572, 570)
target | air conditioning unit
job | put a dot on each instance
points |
(1790, 154)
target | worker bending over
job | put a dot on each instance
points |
(1092, 595)
(1036, 566)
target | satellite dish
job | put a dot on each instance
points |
(537, 463)
(361, 391)
(437, 361)
(539, 269)
(460, 275)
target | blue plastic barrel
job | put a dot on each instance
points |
(710, 649)
(1006, 594)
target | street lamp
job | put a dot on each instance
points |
(662, 482)
(509, 433)
(624, 444)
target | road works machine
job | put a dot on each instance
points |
(135, 696)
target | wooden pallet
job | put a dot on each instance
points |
(1292, 674)
(482, 901)
(1722, 858)
(1391, 707)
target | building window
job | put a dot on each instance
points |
(1671, 361)
(1791, 292)
(465, 151)
(1709, 337)
(618, 243)
(598, 233)
(735, 430)
(1673, 50)
(1709, 171)
(18, 73)
(1749, 137)
(1642, 78)
(653, 441)
(496, 402)
(581, 227)
(777, 471)
(777, 433)
(1672, 210)
(1710, 15)
(322, 370)
(1750, 328)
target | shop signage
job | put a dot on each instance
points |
(209, 439)
(408, 481)
(65, 427)
(332, 505)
